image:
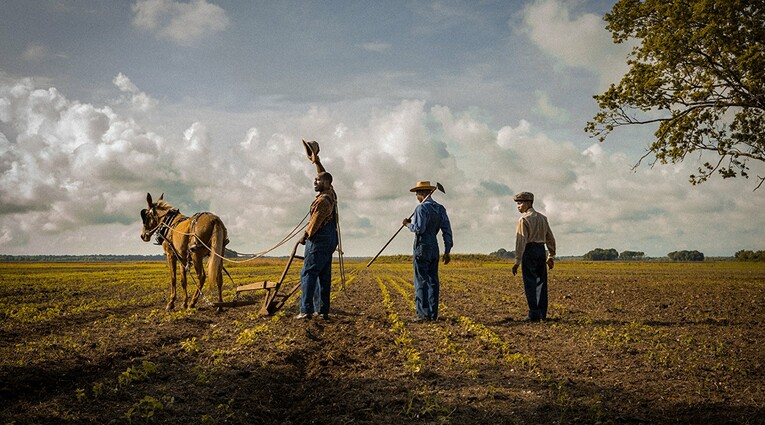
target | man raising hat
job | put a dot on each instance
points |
(532, 235)
(429, 218)
(320, 240)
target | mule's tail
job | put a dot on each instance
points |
(215, 263)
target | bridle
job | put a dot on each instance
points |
(163, 223)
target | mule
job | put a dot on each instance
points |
(187, 240)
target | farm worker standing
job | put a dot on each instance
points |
(532, 235)
(320, 239)
(429, 218)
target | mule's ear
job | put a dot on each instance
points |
(161, 196)
(148, 199)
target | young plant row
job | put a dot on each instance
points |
(402, 337)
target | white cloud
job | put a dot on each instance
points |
(181, 22)
(581, 41)
(64, 159)
(138, 99)
(70, 170)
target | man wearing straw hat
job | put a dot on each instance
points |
(532, 235)
(429, 218)
(320, 239)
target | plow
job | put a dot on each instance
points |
(273, 300)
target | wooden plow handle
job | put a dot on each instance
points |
(270, 304)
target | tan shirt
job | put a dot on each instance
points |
(533, 227)
(322, 211)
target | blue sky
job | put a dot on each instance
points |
(207, 101)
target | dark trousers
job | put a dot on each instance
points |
(317, 270)
(534, 268)
(426, 284)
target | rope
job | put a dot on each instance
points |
(340, 247)
(294, 232)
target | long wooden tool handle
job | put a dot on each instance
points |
(386, 245)
(397, 232)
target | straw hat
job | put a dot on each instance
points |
(422, 186)
(311, 149)
(523, 196)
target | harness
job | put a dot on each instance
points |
(165, 227)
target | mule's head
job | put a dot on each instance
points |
(150, 218)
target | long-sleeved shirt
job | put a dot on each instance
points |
(322, 211)
(426, 228)
(533, 227)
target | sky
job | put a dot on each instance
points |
(207, 101)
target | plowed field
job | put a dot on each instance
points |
(654, 343)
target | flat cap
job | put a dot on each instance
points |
(523, 196)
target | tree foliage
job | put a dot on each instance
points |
(599, 254)
(503, 253)
(686, 256)
(631, 255)
(698, 72)
(747, 255)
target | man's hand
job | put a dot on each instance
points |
(447, 258)
(406, 222)
(515, 269)
(303, 238)
(550, 263)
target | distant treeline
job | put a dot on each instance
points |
(611, 254)
(83, 258)
(686, 255)
(503, 253)
(745, 255)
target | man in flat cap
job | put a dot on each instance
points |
(320, 240)
(429, 218)
(532, 235)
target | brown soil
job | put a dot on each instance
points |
(624, 344)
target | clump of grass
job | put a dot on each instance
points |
(249, 336)
(137, 373)
(191, 345)
(146, 408)
(426, 403)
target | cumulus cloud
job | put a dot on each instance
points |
(70, 171)
(63, 161)
(181, 22)
(138, 99)
(580, 41)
